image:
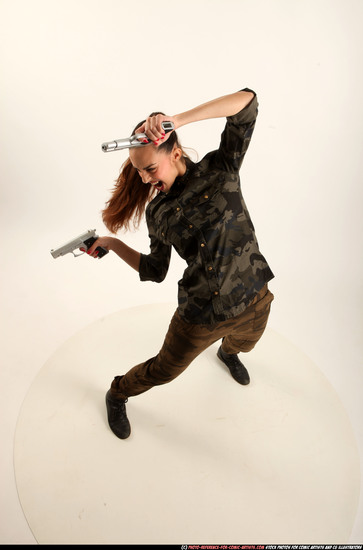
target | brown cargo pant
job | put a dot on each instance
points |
(184, 342)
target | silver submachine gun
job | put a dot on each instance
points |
(133, 141)
(85, 240)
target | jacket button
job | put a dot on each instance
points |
(210, 268)
(202, 245)
(190, 227)
(216, 292)
(206, 196)
(178, 209)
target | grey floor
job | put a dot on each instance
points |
(207, 459)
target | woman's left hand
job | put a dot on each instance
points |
(103, 242)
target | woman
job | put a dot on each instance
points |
(198, 209)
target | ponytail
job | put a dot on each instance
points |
(128, 201)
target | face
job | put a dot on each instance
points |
(156, 167)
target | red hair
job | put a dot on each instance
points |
(128, 201)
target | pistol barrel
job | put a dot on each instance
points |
(138, 140)
(126, 143)
(116, 144)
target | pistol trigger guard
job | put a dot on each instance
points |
(76, 255)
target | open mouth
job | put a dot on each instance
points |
(158, 185)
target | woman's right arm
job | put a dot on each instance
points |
(224, 106)
(129, 255)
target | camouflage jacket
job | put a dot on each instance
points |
(204, 217)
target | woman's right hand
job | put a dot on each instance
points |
(153, 129)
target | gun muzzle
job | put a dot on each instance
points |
(110, 146)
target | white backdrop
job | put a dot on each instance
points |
(75, 73)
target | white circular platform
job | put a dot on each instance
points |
(208, 461)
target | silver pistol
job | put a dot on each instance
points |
(85, 240)
(133, 141)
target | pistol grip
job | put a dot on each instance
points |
(101, 251)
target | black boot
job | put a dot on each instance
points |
(117, 418)
(237, 369)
